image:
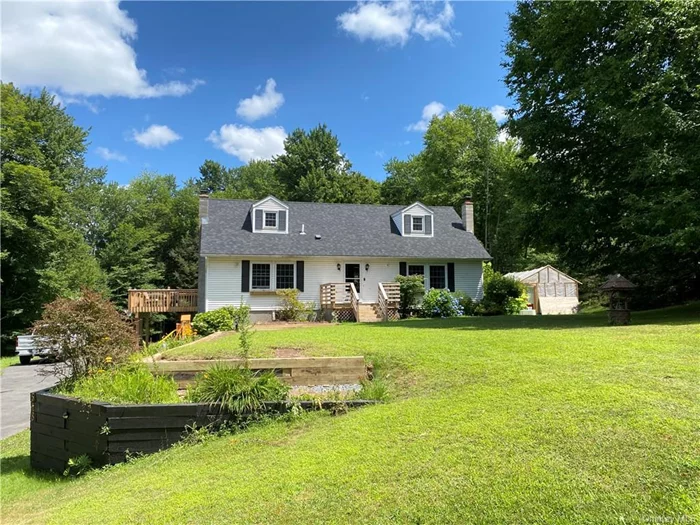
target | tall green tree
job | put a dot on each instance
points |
(403, 184)
(313, 169)
(463, 155)
(608, 101)
(42, 163)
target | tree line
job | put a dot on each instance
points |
(596, 170)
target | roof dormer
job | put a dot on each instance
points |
(415, 220)
(270, 215)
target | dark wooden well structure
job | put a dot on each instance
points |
(618, 289)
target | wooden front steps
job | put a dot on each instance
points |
(369, 313)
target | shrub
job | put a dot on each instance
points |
(85, 332)
(469, 305)
(503, 295)
(292, 309)
(133, 384)
(440, 303)
(411, 288)
(238, 390)
(220, 320)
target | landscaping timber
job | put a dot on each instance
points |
(294, 371)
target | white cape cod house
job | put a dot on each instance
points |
(339, 256)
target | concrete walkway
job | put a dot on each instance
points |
(16, 383)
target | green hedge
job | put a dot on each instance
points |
(220, 320)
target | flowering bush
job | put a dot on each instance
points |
(469, 305)
(441, 303)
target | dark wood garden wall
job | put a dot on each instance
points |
(62, 428)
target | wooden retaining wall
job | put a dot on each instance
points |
(62, 428)
(309, 371)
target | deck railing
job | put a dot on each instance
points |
(388, 299)
(335, 295)
(340, 296)
(175, 300)
(355, 301)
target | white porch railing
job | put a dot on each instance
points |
(388, 299)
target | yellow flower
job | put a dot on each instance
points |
(108, 359)
(100, 371)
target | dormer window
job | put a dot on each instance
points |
(417, 223)
(270, 215)
(416, 220)
(271, 220)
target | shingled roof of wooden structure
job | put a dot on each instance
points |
(617, 283)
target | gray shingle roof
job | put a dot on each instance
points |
(345, 230)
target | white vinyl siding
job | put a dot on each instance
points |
(469, 278)
(223, 279)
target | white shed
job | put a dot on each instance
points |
(549, 290)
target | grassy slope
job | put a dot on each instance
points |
(501, 420)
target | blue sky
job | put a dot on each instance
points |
(156, 81)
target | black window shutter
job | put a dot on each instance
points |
(245, 276)
(428, 229)
(300, 276)
(407, 225)
(258, 220)
(402, 269)
(282, 223)
(451, 276)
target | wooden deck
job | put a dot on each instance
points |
(161, 301)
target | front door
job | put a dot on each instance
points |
(352, 275)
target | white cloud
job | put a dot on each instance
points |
(77, 48)
(248, 143)
(499, 113)
(438, 27)
(108, 154)
(380, 153)
(433, 109)
(394, 23)
(262, 105)
(155, 136)
(67, 100)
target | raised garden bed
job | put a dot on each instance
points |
(308, 371)
(62, 428)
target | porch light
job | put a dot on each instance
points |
(367, 267)
(338, 266)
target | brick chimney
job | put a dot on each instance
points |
(203, 208)
(468, 214)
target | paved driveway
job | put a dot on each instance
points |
(16, 383)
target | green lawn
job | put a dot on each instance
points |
(6, 361)
(493, 420)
